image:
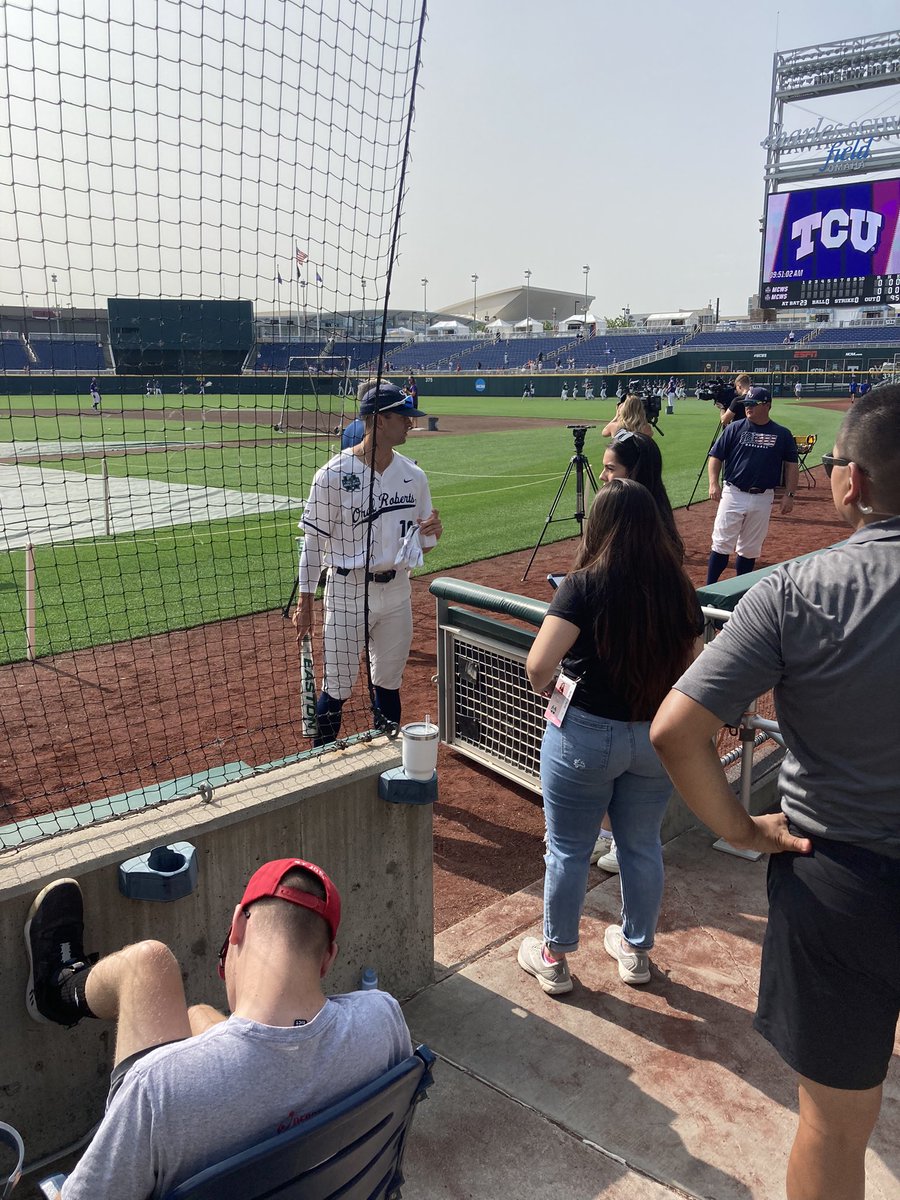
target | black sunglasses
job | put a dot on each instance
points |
(830, 461)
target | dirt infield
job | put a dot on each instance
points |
(85, 725)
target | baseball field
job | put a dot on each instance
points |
(162, 513)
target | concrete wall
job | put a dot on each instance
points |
(53, 1081)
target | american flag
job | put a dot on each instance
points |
(301, 257)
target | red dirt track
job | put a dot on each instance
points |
(85, 725)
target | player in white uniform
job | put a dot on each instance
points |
(336, 523)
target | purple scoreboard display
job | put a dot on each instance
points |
(829, 246)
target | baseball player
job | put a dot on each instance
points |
(753, 452)
(95, 396)
(398, 527)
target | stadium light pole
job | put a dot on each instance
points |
(527, 303)
(53, 280)
(425, 303)
(587, 271)
(365, 323)
(25, 317)
(474, 304)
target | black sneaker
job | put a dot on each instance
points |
(54, 933)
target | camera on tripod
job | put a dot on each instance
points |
(717, 390)
(578, 433)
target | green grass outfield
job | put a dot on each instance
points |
(494, 491)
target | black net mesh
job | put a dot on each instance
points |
(199, 208)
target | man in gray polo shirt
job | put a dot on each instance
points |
(825, 633)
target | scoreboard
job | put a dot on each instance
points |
(832, 246)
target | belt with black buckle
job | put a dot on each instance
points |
(376, 577)
(752, 491)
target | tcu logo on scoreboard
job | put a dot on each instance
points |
(862, 227)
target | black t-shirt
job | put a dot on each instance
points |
(576, 601)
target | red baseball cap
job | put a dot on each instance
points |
(266, 882)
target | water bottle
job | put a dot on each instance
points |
(369, 980)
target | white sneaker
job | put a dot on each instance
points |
(634, 964)
(610, 860)
(601, 847)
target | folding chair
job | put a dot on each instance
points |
(804, 445)
(352, 1150)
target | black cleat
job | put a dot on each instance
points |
(54, 939)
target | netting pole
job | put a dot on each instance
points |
(29, 602)
(107, 515)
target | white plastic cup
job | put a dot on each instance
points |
(420, 748)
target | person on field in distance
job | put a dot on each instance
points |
(824, 632)
(190, 1086)
(753, 454)
(623, 624)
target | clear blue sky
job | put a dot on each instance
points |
(622, 136)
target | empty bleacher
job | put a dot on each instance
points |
(274, 356)
(13, 355)
(723, 339)
(431, 356)
(859, 335)
(67, 352)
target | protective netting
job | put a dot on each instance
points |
(199, 208)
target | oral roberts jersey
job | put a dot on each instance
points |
(337, 515)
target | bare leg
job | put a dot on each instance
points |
(140, 988)
(828, 1157)
(203, 1016)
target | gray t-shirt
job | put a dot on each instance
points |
(825, 633)
(191, 1103)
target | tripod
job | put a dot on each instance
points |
(582, 468)
(703, 468)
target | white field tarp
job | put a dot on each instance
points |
(39, 505)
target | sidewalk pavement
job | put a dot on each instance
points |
(618, 1092)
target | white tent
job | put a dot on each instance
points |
(401, 332)
(498, 324)
(448, 328)
(579, 320)
(530, 325)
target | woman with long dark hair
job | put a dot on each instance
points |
(623, 624)
(633, 456)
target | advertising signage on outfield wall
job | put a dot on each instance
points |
(830, 246)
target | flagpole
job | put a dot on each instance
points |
(318, 306)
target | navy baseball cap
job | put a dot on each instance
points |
(756, 395)
(387, 397)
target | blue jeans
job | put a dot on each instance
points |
(588, 766)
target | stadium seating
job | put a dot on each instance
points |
(860, 335)
(13, 355)
(429, 356)
(273, 356)
(720, 339)
(65, 353)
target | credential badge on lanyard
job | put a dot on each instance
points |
(563, 691)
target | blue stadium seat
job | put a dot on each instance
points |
(352, 1149)
(860, 335)
(13, 356)
(67, 354)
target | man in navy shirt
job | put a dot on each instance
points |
(753, 452)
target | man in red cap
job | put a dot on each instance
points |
(190, 1086)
